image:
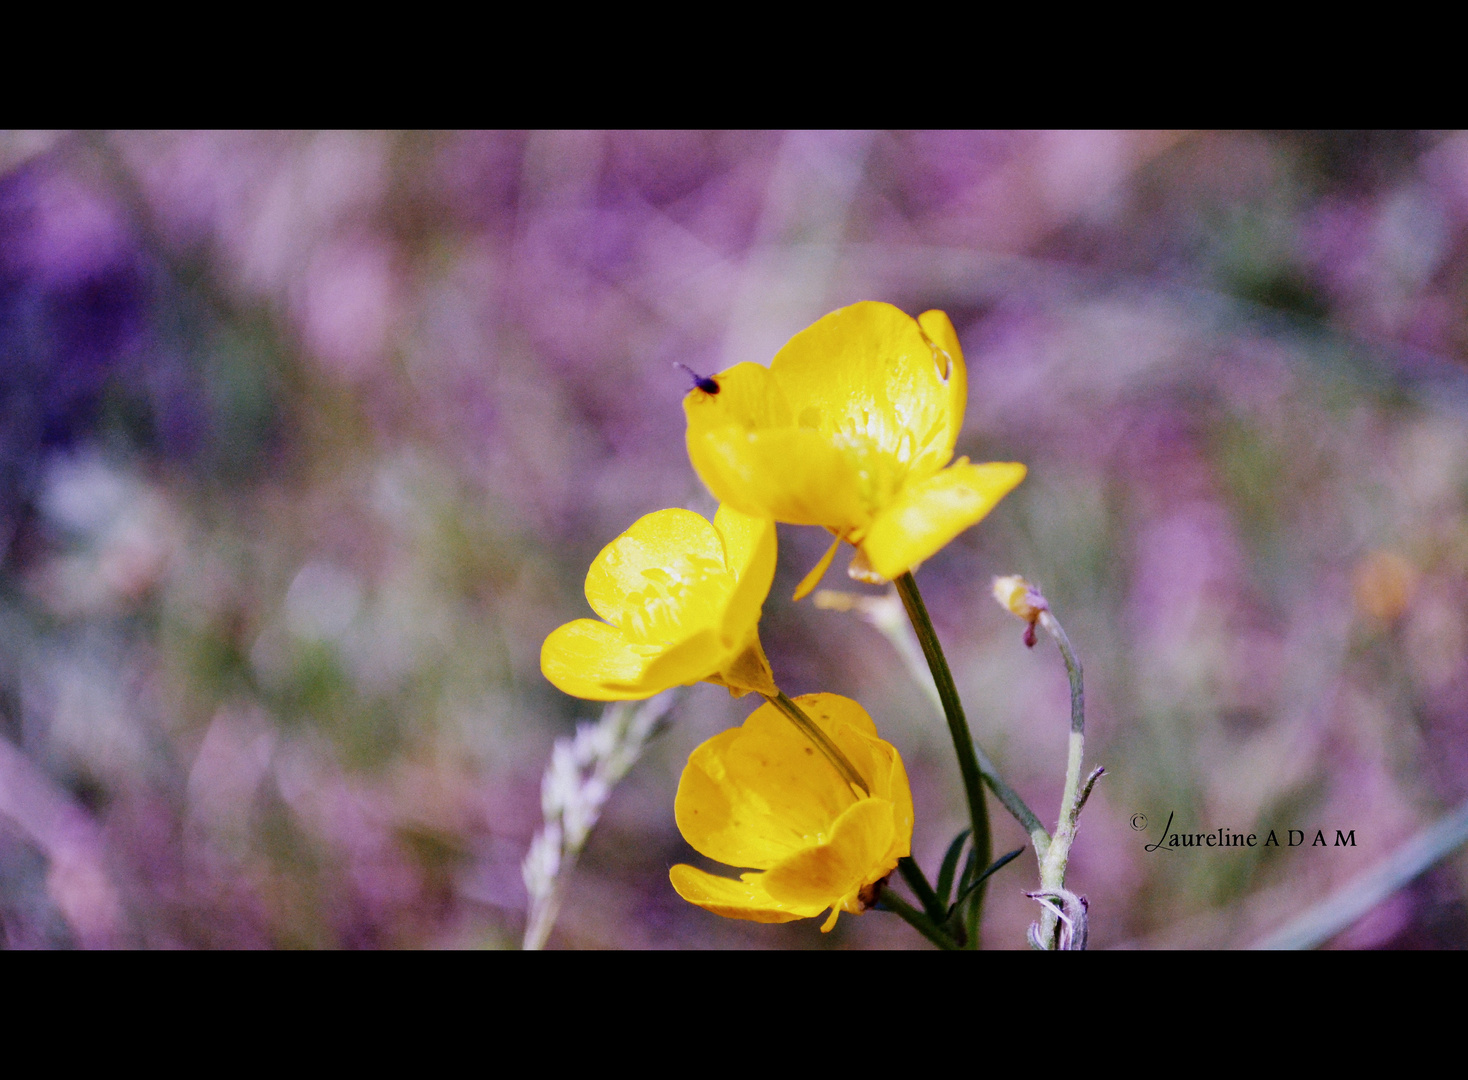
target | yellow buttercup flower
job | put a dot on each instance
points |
(852, 427)
(681, 601)
(759, 796)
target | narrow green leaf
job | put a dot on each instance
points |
(969, 865)
(967, 926)
(887, 900)
(950, 866)
(913, 875)
(997, 864)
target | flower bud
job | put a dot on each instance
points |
(1020, 597)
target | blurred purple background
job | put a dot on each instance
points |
(307, 441)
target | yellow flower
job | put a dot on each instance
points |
(851, 427)
(681, 599)
(759, 795)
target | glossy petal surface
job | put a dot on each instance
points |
(749, 555)
(860, 839)
(590, 659)
(794, 475)
(854, 414)
(761, 796)
(659, 576)
(931, 512)
(681, 599)
(736, 898)
(869, 379)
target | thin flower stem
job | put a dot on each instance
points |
(915, 918)
(1072, 669)
(1053, 862)
(1018, 809)
(963, 743)
(885, 614)
(821, 740)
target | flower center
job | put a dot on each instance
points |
(879, 470)
(879, 443)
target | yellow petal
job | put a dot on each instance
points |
(929, 514)
(685, 662)
(746, 899)
(756, 794)
(812, 579)
(749, 554)
(748, 401)
(646, 578)
(868, 372)
(760, 796)
(939, 330)
(855, 854)
(748, 398)
(589, 659)
(584, 657)
(791, 474)
(850, 728)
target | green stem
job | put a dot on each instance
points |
(884, 613)
(821, 740)
(963, 743)
(915, 918)
(1052, 864)
(1012, 802)
(1072, 669)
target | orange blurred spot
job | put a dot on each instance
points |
(1383, 585)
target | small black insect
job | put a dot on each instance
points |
(707, 383)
